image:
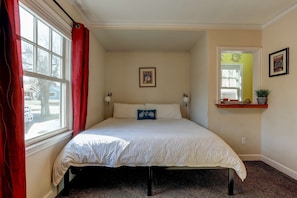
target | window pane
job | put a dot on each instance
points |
(56, 67)
(27, 56)
(231, 94)
(43, 66)
(43, 35)
(27, 24)
(42, 106)
(57, 43)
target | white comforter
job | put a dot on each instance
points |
(162, 142)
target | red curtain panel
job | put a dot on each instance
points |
(80, 75)
(12, 144)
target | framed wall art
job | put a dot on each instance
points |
(279, 63)
(147, 77)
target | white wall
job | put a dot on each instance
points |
(199, 82)
(279, 129)
(172, 76)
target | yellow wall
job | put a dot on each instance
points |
(247, 80)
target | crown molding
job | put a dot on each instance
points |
(171, 26)
(278, 17)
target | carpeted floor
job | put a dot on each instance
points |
(262, 181)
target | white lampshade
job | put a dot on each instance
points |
(186, 99)
(107, 99)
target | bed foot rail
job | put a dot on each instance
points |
(149, 181)
(65, 191)
(230, 181)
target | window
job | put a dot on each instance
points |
(239, 70)
(231, 85)
(45, 59)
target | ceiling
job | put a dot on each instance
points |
(172, 24)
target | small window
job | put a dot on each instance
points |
(44, 58)
(231, 82)
(239, 72)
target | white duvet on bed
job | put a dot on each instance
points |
(161, 142)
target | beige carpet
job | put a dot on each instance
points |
(262, 181)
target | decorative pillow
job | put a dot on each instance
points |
(146, 114)
(167, 111)
(121, 110)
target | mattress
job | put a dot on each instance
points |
(162, 142)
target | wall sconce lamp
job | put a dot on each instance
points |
(107, 98)
(186, 99)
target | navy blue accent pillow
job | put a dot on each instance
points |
(146, 114)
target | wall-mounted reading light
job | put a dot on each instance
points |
(107, 98)
(186, 99)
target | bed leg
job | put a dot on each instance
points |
(149, 181)
(230, 181)
(65, 191)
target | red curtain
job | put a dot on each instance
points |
(80, 75)
(12, 145)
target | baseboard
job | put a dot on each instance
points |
(250, 157)
(51, 194)
(56, 190)
(280, 167)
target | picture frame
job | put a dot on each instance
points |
(147, 77)
(279, 63)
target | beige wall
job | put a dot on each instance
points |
(39, 171)
(199, 82)
(232, 124)
(175, 70)
(96, 107)
(122, 76)
(39, 164)
(279, 129)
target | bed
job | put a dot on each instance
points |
(153, 136)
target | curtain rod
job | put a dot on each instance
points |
(75, 23)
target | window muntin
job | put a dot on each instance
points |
(44, 58)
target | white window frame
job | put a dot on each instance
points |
(257, 57)
(238, 67)
(47, 15)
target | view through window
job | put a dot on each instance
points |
(237, 75)
(44, 52)
(231, 85)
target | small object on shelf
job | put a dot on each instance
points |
(247, 101)
(262, 95)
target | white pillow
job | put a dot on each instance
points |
(121, 110)
(167, 111)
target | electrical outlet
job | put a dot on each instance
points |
(243, 140)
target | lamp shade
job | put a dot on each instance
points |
(186, 99)
(107, 99)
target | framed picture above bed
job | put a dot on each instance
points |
(147, 77)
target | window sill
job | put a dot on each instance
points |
(39, 146)
(250, 106)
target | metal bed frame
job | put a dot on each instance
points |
(65, 191)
